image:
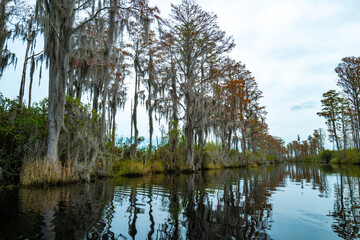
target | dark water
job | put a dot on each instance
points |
(271, 202)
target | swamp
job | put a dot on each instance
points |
(285, 201)
(160, 125)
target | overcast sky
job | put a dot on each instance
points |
(291, 47)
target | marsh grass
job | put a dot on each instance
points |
(42, 172)
(253, 165)
(213, 166)
(136, 168)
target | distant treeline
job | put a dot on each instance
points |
(342, 113)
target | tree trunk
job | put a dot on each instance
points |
(103, 119)
(229, 140)
(200, 160)
(96, 98)
(58, 50)
(134, 119)
(174, 125)
(357, 109)
(30, 91)
(78, 88)
(56, 110)
(223, 136)
(4, 34)
(344, 133)
(113, 126)
(150, 110)
(23, 77)
(243, 142)
(151, 127)
(336, 140)
(189, 132)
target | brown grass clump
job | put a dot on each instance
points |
(42, 172)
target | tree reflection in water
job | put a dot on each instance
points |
(238, 211)
(70, 212)
(346, 212)
(227, 204)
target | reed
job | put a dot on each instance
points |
(42, 172)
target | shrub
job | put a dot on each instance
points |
(213, 155)
(326, 156)
(254, 157)
(23, 134)
(334, 161)
(352, 156)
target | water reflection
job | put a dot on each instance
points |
(238, 211)
(69, 212)
(227, 204)
(346, 212)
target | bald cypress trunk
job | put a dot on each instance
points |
(134, 118)
(243, 143)
(23, 77)
(150, 110)
(174, 126)
(57, 48)
(151, 126)
(336, 140)
(4, 34)
(189, 131)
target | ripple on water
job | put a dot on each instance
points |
(280, 202)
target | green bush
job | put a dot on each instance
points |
(352, 156)
(325, 156)
(213, 156)
(255, 157)
(23, 134)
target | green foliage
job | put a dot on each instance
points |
(122, 148)
(332, 157)
(253, 165)
(334, 161)
(352, 156)
(213, 156)
(80, 140)
(23, 134)
(270, 158)
(136, 168)
(255, 157)
(325, 156)
(175, 131)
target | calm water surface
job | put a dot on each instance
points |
(271, 202)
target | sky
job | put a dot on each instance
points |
(291, 47)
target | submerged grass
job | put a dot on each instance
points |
(43, 172)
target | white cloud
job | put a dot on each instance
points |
(292, 48)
